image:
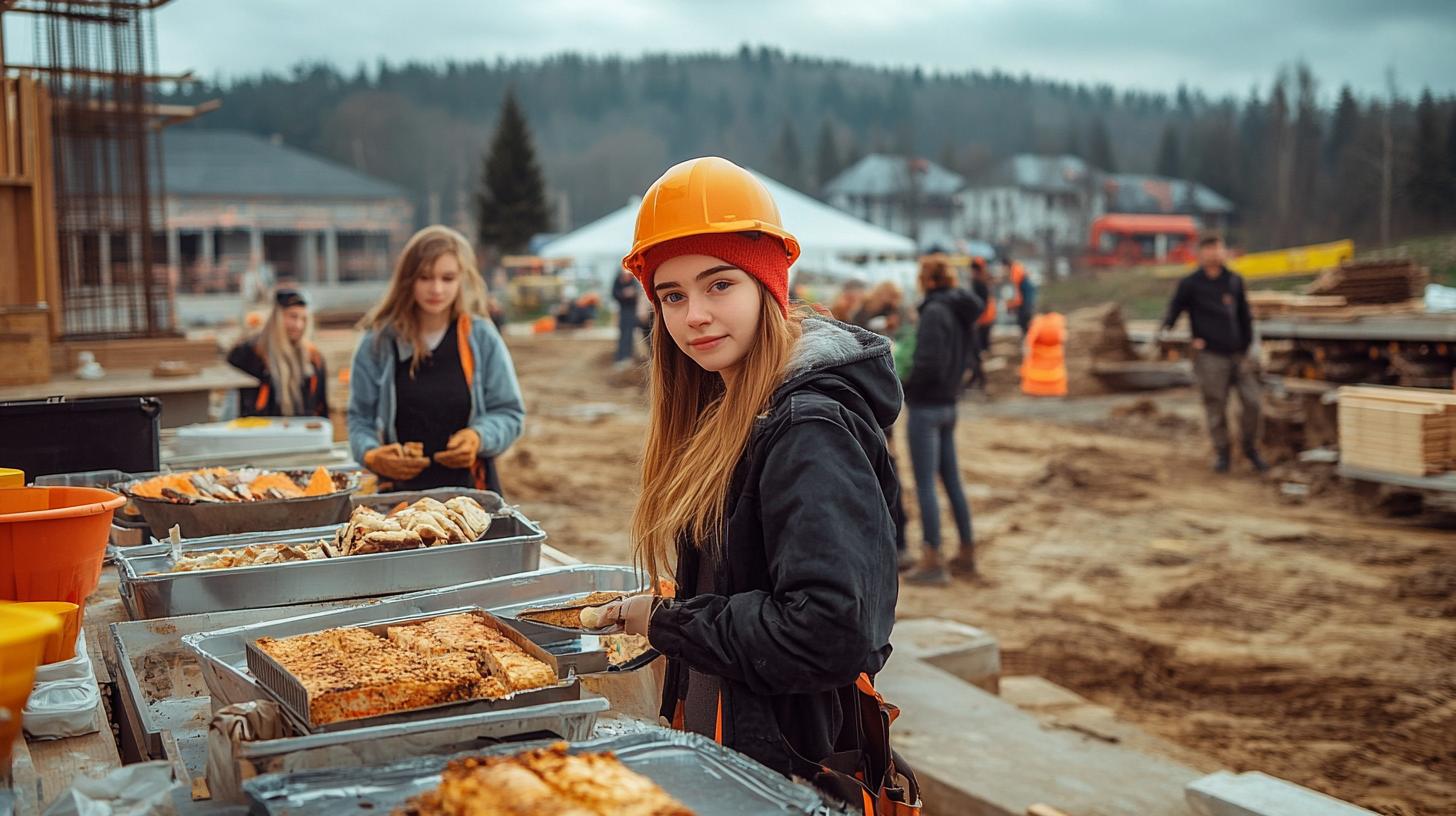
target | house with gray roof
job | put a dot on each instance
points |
(1049, 202)
(244, 212)
(912, 196)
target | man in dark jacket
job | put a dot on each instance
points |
(943, 344)
(783, 569)
(1223, 330)
(625, 291)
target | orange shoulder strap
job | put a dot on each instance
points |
(467, 356)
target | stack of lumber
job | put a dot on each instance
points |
(1409, 431)
(1266, 304)
(1366, 282)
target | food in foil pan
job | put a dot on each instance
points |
(541, 782)
(426, 523)
(219, 484)
(350, 673)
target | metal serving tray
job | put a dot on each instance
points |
(162, 688)
(148, 590)
(706, 777)
(222, 654)
(285, 688)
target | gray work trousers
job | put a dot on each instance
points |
(1217, 374)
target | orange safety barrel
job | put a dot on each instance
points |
(1044, 369)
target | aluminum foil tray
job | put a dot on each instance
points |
(149, 590)
(706, 777)
(222, 654)
(283, 687)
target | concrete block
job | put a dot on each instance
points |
(1034, 693)
(969, 653)
(1256, 794)
(978, 755)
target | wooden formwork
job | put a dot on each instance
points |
(29, 269)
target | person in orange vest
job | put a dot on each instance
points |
(1044, 363)
(1023, 294)
(981, 285)
(433, 397)
(290, 370)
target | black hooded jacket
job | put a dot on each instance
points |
(942, 346)
(804, 592)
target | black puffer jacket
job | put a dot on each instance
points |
(804, 594)
(942, 343)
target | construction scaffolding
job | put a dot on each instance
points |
(97, 59)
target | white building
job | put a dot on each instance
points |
(1031, 200)
(913, 197)
(1049, 202)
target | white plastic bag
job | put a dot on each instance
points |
(77, 668)
(143, 789)
(63, 708)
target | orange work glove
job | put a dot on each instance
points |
(460, 451)
(394, 462)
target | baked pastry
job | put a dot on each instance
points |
(351, 673)
(543, 782)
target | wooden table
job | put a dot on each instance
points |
(42, 770)
(185, 400)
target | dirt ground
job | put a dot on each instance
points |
(1308, 641)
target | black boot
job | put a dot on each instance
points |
(1221, 462)
(1255, 460)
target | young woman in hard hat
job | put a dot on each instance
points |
(433, 396)
(766, 481)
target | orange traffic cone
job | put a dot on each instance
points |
(1044, 369)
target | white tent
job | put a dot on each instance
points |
(834, 245)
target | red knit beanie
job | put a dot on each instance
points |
(759, 254)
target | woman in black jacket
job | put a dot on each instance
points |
(290, 371)
(942, 346)
(766, 478)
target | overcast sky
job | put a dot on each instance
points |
(1220, 46)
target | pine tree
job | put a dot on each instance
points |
(1170, 159)
(511, 200)
(1451, 168)
(1342, 128)
(788, 159)
(826, 156)
(1426, 183)
(1099, 151)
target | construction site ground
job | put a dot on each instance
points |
(1311, 641)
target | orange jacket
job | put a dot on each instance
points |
(1018, 277)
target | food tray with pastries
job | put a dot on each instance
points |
(222, 501)
(222, 654)
(697, 775)
(361, 559)
(406, 669)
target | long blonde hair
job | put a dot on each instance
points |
(696, 432)
(289, 363)
(396, 312)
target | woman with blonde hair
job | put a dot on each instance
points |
(290, 371)
(433, 392)
(766, 482)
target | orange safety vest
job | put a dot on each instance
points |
(479, 471)
(1018, 275)
(1044, 370)
(988, 315)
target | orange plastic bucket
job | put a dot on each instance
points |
(52, 541)
(23, 635)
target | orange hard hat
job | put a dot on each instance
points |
(704, 196)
